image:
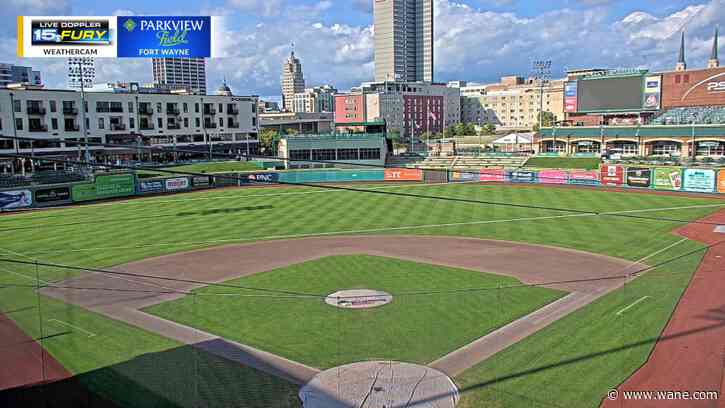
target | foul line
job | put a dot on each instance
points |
(62, 323)
(643, 298)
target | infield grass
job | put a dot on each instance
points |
(109, 234)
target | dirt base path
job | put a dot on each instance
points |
(690, 354)
(529, 263)
(23, 361)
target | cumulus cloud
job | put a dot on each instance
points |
(265, 8)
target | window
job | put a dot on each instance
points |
(131, 123)
(347, 154)
(323, 154)
(196, 107)
(303, 154)
(130, 107)
(88, 124)
(186, 122)
(18, 124)
(197, 122)
(221, 107)
(101, 124)
(54, 123)
(221, 122)
(16, 106)
(186, 107)
(53, 107)
(160, 122)
(370, 154)
(158, 107)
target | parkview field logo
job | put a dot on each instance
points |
(161, 36)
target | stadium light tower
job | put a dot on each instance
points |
(541, 72)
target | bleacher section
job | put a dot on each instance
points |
(468, 162)
(403, 160)
(707, 115)
(40, 178)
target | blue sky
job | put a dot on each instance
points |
(475, 40)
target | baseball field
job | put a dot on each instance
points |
(522, 295)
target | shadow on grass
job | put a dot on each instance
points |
(182, 377)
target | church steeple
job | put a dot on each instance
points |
(714, 62)
(681, 64)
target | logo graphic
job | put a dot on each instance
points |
(129, 25)
(716, 86)
(66, 36)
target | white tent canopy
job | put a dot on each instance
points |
(513, 138)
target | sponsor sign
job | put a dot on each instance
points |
(584, 178)
(120, 185)
(492, 175)
(259, 178)
(612, 175)
(66, 36)
(164, 36)
(54, 195)
(553, 177)
(15, 199)
(721, 181)
(652, 92)
(201, 181)
(403, 174)
(667, 178)
(639, 176)
(150, 186)
(699, 180)
(570, 96)
(524, 176)
(463, 176)
(177, 183)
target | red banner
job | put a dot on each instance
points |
(612, 175)
(493, 175)
(553, 177)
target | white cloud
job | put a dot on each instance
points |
(264, 8)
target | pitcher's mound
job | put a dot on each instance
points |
(358, 298)
(380, 384)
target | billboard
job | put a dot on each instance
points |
(697, 87)
(177, 184)
(699, 180)
(150, 186)
(458, 176)
(10, 200)
(201, 181)
(403, 174)
(258, 178)
(639, 176)
(570, 96)
(667, 178)
(117, 185)
(610, 94)
(652, 92)
(612, 175)
(584, 177)
(116, 36)
(492, 175)
(52, 196)
(553, 177)
(164, 36)
(523, 176)
(721, 181)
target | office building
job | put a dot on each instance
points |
(403, 40)
(293, 81)
(313, 100)
(16, 74)
(181, 73)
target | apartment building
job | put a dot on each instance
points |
(55, 120)
(315, 100)
(180, 73)
(17, 74)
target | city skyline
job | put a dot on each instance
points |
(336, 41)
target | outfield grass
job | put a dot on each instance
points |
(209, 167)
(111, 234)
(413, 328)
(583, 163)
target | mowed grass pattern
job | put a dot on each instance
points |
(110, 234)
(415, 328)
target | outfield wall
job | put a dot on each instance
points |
(114, 186)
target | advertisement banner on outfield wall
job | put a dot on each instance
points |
(721, 181)
(612, 175)
(584, 177)
(150, 186)
(523, 176)
(639, 176)
(492, 175)
(462, 176)
(117, 185)
(201, 181)
(553, 177)
(667, 178)
(177, 184)
(10, 200)
(403, 174)
(699, 180)
(52, 196)
(258, 178)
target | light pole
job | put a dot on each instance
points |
(541, 71)
(16, 142)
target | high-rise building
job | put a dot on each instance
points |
(181, 73)
(313, 100)
(403, 40)
(16, 74)
(293, 81)
(81, 67)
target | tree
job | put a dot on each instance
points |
(448, 132)
(459, 129)
(489, 129)
(268, 139)
(290, 131)
(546, 118)
(470, 129)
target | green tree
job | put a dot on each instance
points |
(546, 118)
(268, 140)
(470, 129)
(291, 131)
(459, 129)
(489, 129)
(448, 133)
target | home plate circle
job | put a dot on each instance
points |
(380, 384)
(358, 298)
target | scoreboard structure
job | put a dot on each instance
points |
(614, 92)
